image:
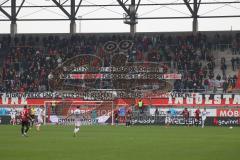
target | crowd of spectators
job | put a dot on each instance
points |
(28, 60)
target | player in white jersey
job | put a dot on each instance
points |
(168, 118)
(13, 114)
(40, 115)
(204, 116)
(78, 118)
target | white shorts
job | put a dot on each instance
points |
(203, 119)
(39, 120)
(77, 123)
(13, 117)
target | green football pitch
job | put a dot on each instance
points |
(120, 143)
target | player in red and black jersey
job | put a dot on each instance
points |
(197, 117)
(128, 117)
(25, 118)
(185, 114)
(116, 117)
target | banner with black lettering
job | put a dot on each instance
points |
(179, 120)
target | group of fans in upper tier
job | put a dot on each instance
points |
(27, 64)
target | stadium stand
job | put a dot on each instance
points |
(209, 62)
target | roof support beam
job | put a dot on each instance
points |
(131, 14)
(79, 4)
(198, 5)
(13, 11)
(13, 26)
(4, 2)
(139, 1)
(63, 2)
(116, 5)
(194, 12)
(5, 13)
(61, 7)
(188, 6)
(124, 7)
(72, 18)
(20, 7)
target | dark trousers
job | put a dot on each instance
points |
(128, 122)
(32, 120)
(141, 110)
(186, 120)
(25, 124)
(197, 119)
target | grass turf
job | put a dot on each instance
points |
(120, 143)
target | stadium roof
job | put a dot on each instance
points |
(109, 15)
